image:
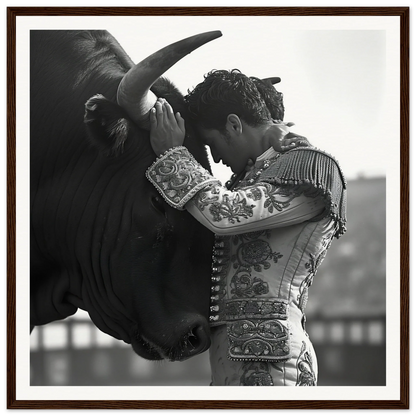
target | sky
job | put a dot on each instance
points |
(335, 82)
(339, 75)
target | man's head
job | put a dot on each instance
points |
(231, 111)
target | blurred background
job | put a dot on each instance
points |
(338, 93)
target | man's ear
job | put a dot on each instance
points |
(234, 124)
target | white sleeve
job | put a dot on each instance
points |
(184, 183)
(257, 207)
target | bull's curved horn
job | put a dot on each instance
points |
(134, 93)
(272, 80)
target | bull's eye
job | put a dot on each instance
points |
(158, 204)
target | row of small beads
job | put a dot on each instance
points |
(219, 263)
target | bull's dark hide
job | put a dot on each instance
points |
(101, 238)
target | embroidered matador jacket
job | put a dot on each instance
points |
(272, 233)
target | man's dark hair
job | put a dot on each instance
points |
(224, 92)
(272, 98)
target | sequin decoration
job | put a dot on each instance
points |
(256, 309)
(263, 340)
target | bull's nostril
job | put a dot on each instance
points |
(193, 341)
(197, 340)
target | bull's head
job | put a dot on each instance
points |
(154, 261)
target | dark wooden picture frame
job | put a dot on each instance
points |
(401, 403)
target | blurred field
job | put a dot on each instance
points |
(346, 319)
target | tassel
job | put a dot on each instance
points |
(321, 172)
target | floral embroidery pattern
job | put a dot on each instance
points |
(203, 200)
(314, 262)
(304, 295)
(271, 194)
(255, 254)
(256, 374)
(272, 203)
(312, 267)
(306, 375)
(178, 176)
(231, 208)
(258, 340)
(253, 326)
(244, 285)
(252, 253)
(255, 194)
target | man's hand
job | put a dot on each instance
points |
(167, 129)
(282, 140)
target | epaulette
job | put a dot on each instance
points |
(317, 173)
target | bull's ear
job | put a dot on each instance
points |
(107, 124)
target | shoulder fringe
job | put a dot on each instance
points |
(319, 174)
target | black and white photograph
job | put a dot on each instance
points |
(206, 203)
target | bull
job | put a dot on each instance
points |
(101, 238)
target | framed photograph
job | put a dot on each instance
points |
(344, 76)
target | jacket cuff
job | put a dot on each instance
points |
(178, 176)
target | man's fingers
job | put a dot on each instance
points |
(180, 121)
(293, 138)
(159, 112)
(165, 111)
(288, 146)
(153, 119)
(169, 111)
(289, 143)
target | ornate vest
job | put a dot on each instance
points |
(260, 279)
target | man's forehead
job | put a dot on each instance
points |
(207, 135)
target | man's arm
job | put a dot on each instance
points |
(255, 208)
(184, 184)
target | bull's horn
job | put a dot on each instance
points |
(134, 93)
(272, 80)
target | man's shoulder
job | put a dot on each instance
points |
(310, 151)
(316, 174)
(304, 165)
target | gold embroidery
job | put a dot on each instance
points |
(178, 176)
